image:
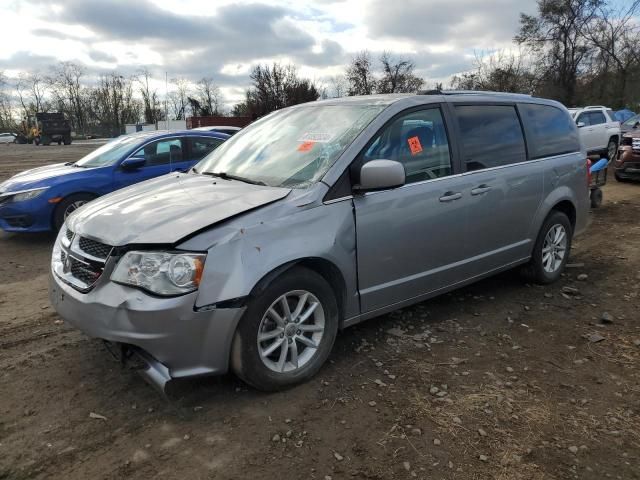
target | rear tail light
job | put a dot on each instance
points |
(588, 172)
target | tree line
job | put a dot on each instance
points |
(575, 51)
(578, 52)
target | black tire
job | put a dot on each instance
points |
(612, 149)
(59, 142)
(36, 141)
(596, 198)
(62, 209)
(246, 362)
(534, 271)
(67, 139)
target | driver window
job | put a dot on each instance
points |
(161, 152)
(418, 140)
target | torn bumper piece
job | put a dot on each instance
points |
(168, 336)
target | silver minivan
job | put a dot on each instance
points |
(315, 218)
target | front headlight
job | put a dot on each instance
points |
(28, 194)
(161, 273)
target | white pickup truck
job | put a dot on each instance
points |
(599, 131)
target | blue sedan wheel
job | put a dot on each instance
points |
(69, 205)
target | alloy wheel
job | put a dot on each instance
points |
(73, 207)
(554, 248)
(290, 331)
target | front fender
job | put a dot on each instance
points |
(251, 247)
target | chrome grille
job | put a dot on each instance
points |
(93, 248)
(635, 144)
(81, 261)
(85, 272)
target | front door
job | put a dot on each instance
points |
(410, 240)
(161, 157)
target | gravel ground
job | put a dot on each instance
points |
(500, 380)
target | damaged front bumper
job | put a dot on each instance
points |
(168, 335)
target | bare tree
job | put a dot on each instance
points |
(274, 87)
(397, 76)
(208, 96)
(112, 105)
(66, 86)
(616, 35)
(557, 34)
(6, 111)
(359, 75)
(152, 112)
(31, 89)
(179, 98)
(338, 86)
(501, 72)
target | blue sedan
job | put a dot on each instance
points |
(41, 199)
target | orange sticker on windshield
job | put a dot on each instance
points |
(305, 146)
(414, 145)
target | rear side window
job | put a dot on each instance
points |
(551, 129)
(491, 136)
(201, 146)
(596, 118)
(161, 152)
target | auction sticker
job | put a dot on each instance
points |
(316, 137)
(305, 146)
(414, 145)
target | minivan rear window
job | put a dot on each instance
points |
(552, 130)
(491, 136)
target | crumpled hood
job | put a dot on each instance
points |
(166, 209)
(32, 178)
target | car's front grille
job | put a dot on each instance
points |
(635, 144)
(82, 261)
(85, 272)
(93, 248)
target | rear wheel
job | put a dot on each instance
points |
(596, 198)
(619, 178)
(551, 250)
(67, 139)
(287, 332)
(69, 205)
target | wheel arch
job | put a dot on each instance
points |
(56, 206)
(568, 208)
(323, 267)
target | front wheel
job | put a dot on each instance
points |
(612, 149)
(596, 198)
(287, 331)
(551, 250)
(67, 206)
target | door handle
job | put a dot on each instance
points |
(479, 190)
(450, 196)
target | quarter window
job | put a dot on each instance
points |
(201, 146)
(161, 152)
(491, 136)
(551, 131)
(418, 140)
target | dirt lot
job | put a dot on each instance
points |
(499, 380)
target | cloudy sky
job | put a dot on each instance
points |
(224, 39)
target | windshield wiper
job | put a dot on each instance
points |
(228, 176)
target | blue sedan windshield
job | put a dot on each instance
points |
(109, 153)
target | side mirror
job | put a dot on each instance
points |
(581, 124)
(132, 163)
(636, 125)
(380, 175)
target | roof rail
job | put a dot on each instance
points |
(468, 92)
